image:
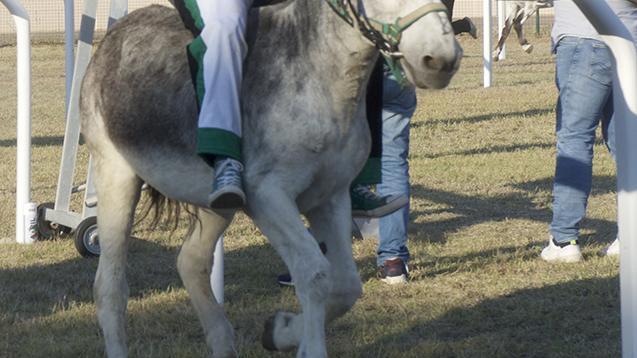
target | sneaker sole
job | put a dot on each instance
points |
(611, 254)
(395, 280)
(564, 259)
(227, 200)
(286, 283)
(385, 210)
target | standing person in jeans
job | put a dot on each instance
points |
(584, 81)
(399, 104)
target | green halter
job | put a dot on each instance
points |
(385, 36)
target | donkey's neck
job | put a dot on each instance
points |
(325, 47)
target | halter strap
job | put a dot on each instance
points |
(384, 36)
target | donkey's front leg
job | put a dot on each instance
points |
(118, 191)
(331, 224)
(277, 215)
(194, 264)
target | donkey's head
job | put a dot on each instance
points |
(413, 34)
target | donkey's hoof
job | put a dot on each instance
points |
(278, 323)
(528, 48)
(267, 338)
(496, 56)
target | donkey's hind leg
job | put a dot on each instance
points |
(194, 264)
(518, 26)
(118, 190)
(330, 224)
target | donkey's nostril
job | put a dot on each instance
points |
(439, 64)
(429, 62)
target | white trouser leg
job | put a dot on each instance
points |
(224, 37)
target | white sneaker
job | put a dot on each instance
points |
(556, 253)
(613, 249)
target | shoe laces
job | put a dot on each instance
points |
(228, 172)
(365, 192)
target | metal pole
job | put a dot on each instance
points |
(501, 17)
(69, 55)
(537, 22)
(486, 38)
(119, 8)
(216, 276)
(622, 46)
(72, 132)
(23, 135)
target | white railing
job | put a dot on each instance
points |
(487, 34)
(622, 45)
(23, 234)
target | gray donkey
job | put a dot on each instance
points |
(517, 14)
(305, 139)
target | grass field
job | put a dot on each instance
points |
(482, 164)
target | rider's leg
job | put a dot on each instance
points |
(216, 59)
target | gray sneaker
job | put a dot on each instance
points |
(227, 190)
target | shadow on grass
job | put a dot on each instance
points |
(469, 210)
(486, 150)
(483, 117)
(38, 289)
(571, 319)
(32, 295)
(35, 141)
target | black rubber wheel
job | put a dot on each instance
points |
(46, 229)
(86, 239)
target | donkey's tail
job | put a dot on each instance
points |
(166, 210)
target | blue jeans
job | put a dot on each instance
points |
(584, 82)
(399, 105)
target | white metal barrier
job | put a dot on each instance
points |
(622, 45)
(69, 53)
(487, 34)
(23, 234)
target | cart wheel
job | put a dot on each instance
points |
(86, 239)
(46, 229)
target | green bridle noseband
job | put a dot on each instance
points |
(385, 36)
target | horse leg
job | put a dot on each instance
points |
(194, 264)
(331, 225)
(506, 30)
(278, 217)
(519, 29)
(118, 189)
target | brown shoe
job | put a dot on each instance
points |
(394, 271)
